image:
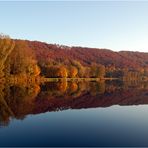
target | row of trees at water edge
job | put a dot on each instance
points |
(18, 59)
(74, 70)
(127, 74)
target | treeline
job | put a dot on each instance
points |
(127, 74)
(73, 70)
(20, 59)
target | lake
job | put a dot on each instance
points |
(101, 113)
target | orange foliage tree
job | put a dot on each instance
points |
(6, 47)
(55, 71)
(62, 72)
(23, 60)
(73, 71)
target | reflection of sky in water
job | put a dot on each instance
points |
(112, 126)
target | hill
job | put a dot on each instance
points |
(23, 58)
(86, 56)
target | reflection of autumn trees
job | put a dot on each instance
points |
(62, 86)
(112, 86)
(97, 88)
(72, 88)
(17, 101)
(5, 111)
(23, 99)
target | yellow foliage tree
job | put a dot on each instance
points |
(62, 72)
(34, 70)
(73, 71)
(6, 47)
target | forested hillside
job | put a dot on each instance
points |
(89, 55)
(23, 58)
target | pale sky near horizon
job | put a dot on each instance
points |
(114, 25)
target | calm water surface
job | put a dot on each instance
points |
(74, 114)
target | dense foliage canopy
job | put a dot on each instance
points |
(22, 58)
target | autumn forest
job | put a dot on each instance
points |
(23, 60)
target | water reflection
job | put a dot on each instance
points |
(17, 101)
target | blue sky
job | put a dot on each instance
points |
(114, 25)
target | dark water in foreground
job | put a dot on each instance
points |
(74, 114)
